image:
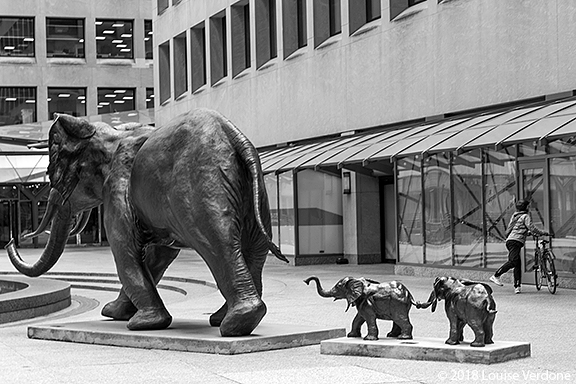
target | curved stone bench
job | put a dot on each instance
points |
(26, 298)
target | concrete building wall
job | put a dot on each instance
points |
(90, 73)
(435, 58)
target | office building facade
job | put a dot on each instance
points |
(390, 130)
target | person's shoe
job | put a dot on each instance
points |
(496, 280)
(517, 290)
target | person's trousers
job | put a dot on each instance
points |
(514, 247)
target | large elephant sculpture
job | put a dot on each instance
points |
(196, 182)
(466, 303)
(373, 300)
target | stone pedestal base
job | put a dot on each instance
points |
(427, 349)
(185, 335)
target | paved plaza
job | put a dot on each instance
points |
(542, 319)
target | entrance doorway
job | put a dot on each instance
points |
(534, 187)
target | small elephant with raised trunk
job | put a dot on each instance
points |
(467, 303)
(373, 300)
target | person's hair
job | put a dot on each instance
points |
(522, 205)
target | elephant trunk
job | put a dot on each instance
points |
(432, 300)
(321, 291)
(56, 242)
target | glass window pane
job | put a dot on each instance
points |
(148, 40)
(65, 37)
(563, 212)
(500, 192)
(149, 98)
(437, 210)
(286, 213)
(112, 100)
(114, 39)
(373, 10)
(270, 182)
(71, 101)
(17, 36)
(410, 211)
(17, 105)
(468, 232)
(335, 17)
(320, 226)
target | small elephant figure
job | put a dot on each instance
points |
(467, 302)
(373, 300)
(196, 182)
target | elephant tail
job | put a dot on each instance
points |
(251, 159)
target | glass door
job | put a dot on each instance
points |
(534, 187)
(6, 221)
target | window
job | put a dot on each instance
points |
(240, 13)
(17, 36)
(64, 37)
(112, 100)
(399, 6)
(265, 31)
(362, 12)
(327, 20)
(218, 56)
(17, 105)
(180, 65)
(114, 39)
(164, 71)
(162, 6)
(71, 101)
(295, 36)
(148, 46)
(198, 55)
(176, 2)
(149, 98)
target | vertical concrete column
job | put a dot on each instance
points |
(361, 217)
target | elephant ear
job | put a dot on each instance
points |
(67, 139)
(355, 289)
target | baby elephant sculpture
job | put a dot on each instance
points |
(467, 302)
(196, 182)
(373, 300)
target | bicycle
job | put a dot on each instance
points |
(544, 265)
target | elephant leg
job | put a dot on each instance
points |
(255, 259)
(372, 328)
(401, 318)
(396, 330)
(454, 337)
(137, 281)
(356, 326)
(478, 328)
(157, 258)
(460, 326)
(488, 329)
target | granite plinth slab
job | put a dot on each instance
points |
(25, 298)
(185, 335)
(431, 349)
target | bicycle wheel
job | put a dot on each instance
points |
(538, 276)
(550, 274)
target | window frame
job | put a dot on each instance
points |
(18, 93)
(198, 56)
(122, 39)
(30, 38)
(81, 38)
(80, 95)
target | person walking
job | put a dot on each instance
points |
(518, 229)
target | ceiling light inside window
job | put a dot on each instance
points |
(108, 32)
(64, 95)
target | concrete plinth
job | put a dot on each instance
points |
(185, 335)
(426, 349)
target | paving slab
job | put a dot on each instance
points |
(431, 349)
(185, 335)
